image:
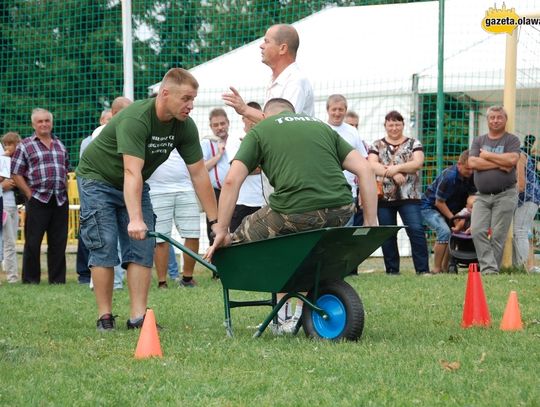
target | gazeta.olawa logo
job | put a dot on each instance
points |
(504, 20)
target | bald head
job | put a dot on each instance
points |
(119, 103)
(286, 34)
(277, 106)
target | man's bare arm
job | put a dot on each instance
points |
(480, 164)
(502, 160)
(358, 165)
(227, 202)
(133, 185)
(203, 188)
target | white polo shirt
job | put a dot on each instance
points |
(251, 191)
(291, 84)
(171, 176)
(351, 136)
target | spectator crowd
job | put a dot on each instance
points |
(146, 168)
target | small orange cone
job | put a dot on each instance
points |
(511, 320)
(148, 345)
(475, 308)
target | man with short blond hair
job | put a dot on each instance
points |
(115, 201)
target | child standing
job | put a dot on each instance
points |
(11, 224)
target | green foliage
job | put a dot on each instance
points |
(62, 56)
(455, 130)
(66, 56)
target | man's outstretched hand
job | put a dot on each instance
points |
(234, 100)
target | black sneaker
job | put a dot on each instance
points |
(106, 323)
(139, 324)
(162, 284)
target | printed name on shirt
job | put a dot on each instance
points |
(496, 149)
(281, 120)
(161, 144)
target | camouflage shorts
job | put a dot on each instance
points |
(266, 223)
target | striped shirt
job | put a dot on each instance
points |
(45, 170)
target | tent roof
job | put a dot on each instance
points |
(383, 46)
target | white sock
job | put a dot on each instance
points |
(284, 312)
(298, 309)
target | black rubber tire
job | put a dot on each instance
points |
(352, 303)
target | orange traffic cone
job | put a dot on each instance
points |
(148, 345)
(475, 309)
(511, 320)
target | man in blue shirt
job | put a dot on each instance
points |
(446, 196)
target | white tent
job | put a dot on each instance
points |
(371, 53)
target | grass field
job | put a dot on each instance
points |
(413, 351)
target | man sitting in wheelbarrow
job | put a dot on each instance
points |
(303, 159)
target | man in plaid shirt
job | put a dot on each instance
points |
(39, 168)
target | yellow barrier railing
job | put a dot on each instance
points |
(73, 216)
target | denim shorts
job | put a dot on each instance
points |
(104, 221)
(436, 222)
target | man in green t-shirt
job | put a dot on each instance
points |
(303, 159)
(115, 204)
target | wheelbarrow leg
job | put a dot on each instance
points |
(272, 315)
(227, 322)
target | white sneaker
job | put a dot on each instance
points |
(277, 329)
(534, 269)
(281, 327)
(289, 326)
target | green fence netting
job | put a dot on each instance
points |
(67, 56)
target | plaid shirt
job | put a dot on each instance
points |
(45, 170)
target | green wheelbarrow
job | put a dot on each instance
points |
(313, 262)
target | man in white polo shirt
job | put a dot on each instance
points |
(278, 51)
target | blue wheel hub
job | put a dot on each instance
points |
(337, 317)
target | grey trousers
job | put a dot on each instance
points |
(493, 211)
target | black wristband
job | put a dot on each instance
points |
(212, 222)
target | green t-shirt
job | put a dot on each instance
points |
(302, 157)
(136, 131)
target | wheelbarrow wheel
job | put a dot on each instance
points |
(345, 311)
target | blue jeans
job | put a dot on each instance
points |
(437, 222)
(412, 219)
(172, 267)
(104, 221)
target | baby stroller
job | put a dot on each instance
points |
(461, 250)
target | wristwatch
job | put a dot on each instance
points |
(212, 222)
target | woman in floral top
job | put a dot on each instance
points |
(397, 160)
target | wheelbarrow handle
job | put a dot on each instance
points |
(189, 252)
